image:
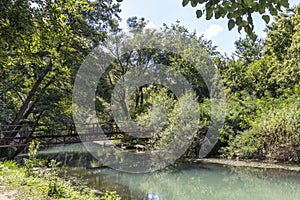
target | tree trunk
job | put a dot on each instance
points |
(24, 107)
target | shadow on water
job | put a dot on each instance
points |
(183, 181)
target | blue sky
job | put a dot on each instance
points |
(168, 11)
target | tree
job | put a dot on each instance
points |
(136, 25)
(147, 57)
(281, 48)
(42, 45)
(248, 50)
(149, 101)
(238, 13)
(263, 95)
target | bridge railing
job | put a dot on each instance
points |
(22, 135)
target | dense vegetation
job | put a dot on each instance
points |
(43, 44)
(263, 94)
(41, 53)
(37, 179)
(261, 84)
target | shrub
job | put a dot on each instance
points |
(110, 196)
(275, 135)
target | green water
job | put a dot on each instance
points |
(199, 182)
(196, 182)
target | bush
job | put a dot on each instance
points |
(275, 135)
(110, 196)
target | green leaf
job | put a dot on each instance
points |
(231, 24)
(266, 18)
(209, 13)
(229, 15)
(285, 3)
(217, 15)
(194, 3)
(223, 12)
(261, 10)
(248, 2)
(248, 30)
(199, 13)
(239, 29)
(238, 20)
(185, 2)
(249, 19)
(208, 5)
(262, 6)
(255, 6)
(262, 3)
(253, 36)
(273, 11)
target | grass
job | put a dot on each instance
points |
(38, 184)
(34, 180)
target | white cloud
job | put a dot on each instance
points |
(212, 31)
(151, 25)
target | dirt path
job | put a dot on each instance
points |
(7, 194)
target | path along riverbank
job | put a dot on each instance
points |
(248, 163)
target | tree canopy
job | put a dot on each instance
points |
(263, 113)
(42, 45)
(44, 42)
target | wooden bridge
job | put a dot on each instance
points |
(22, 135)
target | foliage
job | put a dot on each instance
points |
(32, 160)
(239, 13)
(151, 105)
(36, 181)
(37, 187)
(164, 115)
(274, 136)
(110, 196)
(263, 119)
(42, 45)
(248, 50)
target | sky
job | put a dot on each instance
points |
(158, 12)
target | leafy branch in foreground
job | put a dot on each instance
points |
(238, 13)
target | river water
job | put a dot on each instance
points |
(196, 182)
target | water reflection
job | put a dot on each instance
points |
(189, 182)
(204, 182)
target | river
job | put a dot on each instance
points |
(193, 182)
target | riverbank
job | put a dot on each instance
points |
(248, 163)
(20, 183)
